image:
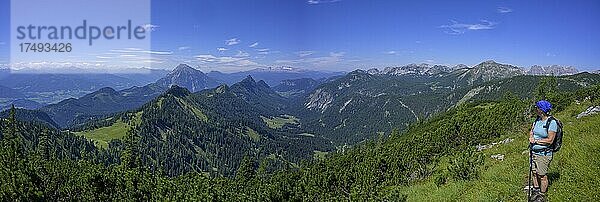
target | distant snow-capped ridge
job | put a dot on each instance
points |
(552, 70)
(417, 69)
(490, 65)
(279, 69)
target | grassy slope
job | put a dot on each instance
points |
(103, 135)
(280, 121)
(574, 171)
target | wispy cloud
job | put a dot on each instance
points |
(504, 10)
(321, 1)
(263, 51)
(548, 54)
(221, 49)
(242, 54)
(2, 43)
(183, 48)
(332, 59)
(48, 65)
(231, 42)
(128, 55)
(460, 28)
(137, 50)
(392, 52)
(253, 45)
(304, 53)
(208, 59)
(150, 27)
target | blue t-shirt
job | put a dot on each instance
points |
(539, 132)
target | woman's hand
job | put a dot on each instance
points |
(531, 140)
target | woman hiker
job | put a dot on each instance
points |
(541, 138)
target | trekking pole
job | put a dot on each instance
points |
(529, 179)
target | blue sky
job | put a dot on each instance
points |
(348, 34)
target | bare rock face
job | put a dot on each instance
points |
(319, 100)
(373, 71)
(417, 69)
(460, 66)
(553, 70)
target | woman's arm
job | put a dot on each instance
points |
(548, 140)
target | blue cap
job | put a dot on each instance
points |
(544, 105)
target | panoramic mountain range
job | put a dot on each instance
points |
(107, 100)
(401, 88)
(34, 90)
(213, 128)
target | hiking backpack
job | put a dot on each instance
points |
(557, 143)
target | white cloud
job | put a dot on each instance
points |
(231, 42)
(337, 54)
(183, 48)
(332, 59)
(263, 51)
(221, 49)
(550, 54)
(253, 45)
(127, 55)
(321, 1)
(48, 65)
(304, 53)
(504, 10)
(392, 52)
(242, 54)
(150, 27)
(460, 28)
(207, 59)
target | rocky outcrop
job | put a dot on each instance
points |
(589, 111)
(487, 146)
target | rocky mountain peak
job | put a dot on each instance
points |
(460, 66)
(185, 76)
(183, 67)
(248, 80)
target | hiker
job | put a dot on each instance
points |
(541, 137)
